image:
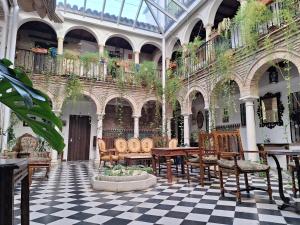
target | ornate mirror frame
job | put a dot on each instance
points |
(280, 109)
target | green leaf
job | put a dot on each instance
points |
(16, 92)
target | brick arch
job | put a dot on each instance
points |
(187, 108)
(130, 100)
(262, 64)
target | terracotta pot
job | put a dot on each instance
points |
(267, 2)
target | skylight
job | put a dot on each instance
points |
(151, 15)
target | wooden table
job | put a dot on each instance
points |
(295, 155)
(13, 171)
(167, 153)
(129, 159)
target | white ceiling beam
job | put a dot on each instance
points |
(121, 10)
(155, 19)
(138, 13)
(157, 6)
(181, 5)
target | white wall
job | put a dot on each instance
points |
(279, 134)
(79, 107)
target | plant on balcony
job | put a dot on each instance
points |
(18, 94)
(88, 59)
(249, 17)
(68, 54)
(73, 89)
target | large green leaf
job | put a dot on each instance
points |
(30, 105)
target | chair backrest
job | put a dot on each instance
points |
(121, 145)
(228, 141)
(146, 145)
(101, 145)
(173, 143)
(206, 141)
(134, 145)
(27, 143)
(160, 141)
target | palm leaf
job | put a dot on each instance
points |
(17, 93)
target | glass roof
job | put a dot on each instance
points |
(151, 15)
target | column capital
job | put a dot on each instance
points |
(56, 112)
(60, 38)
(100, 116)
(136, 116)
(186, 114)
(136, 52)
(249, 98)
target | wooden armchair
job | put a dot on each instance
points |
(231, 159)
(134, 146)
(106, 155)
(206, 158)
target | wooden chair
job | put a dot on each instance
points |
(292, 169)
(173, 143)
(206, 158)
(121, 147)
(146, 145)
(106, 155)
(231, 159)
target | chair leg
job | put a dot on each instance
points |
(247, 184)
(221, 183)
(202, 172)
(208, 173)
(187, 172)
(294, 189)
(238, 188)
(269, 185)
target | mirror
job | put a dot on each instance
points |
(270, 110)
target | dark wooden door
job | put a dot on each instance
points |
(79, 137)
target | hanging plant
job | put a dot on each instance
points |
(249, 17)
(73, 88)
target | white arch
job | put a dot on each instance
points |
(157, 45)
(129, 99)
(80, 27)
(189, 28)
(213, 11)
(33, 19)
(134, 48)
(262, 64)
(187, 104)
(170, 47)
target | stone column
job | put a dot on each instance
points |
(251, 128)
(137, 57)
(169, 127)
(101, 49)
(186, 129)
(54, 152)
(136, 126)
(60, 45)
(208, 29)
(168, 63)
(99, 131)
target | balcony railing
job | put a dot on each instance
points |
(44, 64)
(38, 63)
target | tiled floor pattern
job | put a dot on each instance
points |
(67, 198)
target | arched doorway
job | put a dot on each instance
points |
(151, 119)
(80, 125)
(118, 121)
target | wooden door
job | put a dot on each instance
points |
(79, 137)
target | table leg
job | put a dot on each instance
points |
(7, 197)
(286, 200)
(30, 173)
(169, 169)
(25, 201)
(297, 166)
(154, 165)
(182, 165)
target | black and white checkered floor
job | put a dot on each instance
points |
(67, 198)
